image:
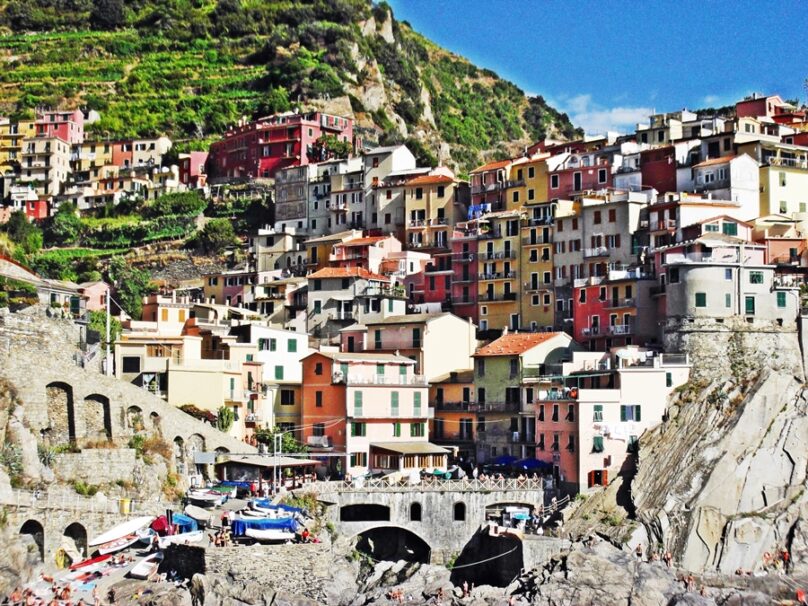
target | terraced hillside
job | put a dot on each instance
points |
(190, 68)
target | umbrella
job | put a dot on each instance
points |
(528, 464)
(504, 460)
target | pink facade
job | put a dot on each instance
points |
(368, 252)
(574, 178)
(604, 314)
(192, 169)
(66, 125)
(96, 293)
(464, 276)
(261, 148)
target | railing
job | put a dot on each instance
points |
(342, 315)
(621, 329)
(666, 224)
(614, 303)
(431, 484)
(491, 233)
(384, 380)
(502, 254)
(674, 359)
(592, 331)
(507, 296)
(499, 275)
(560, 394)
(79, 504)
(531, 241)
(787, 162)
(598, 251)
(499, 406)
(455, 406)
(727, 257)
(428, 222)
(385, 291)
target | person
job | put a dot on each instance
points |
(638, 551)
(465, 589)
(304, 536)
(475, 472)
(225, 519)
(96, 597)
(16, 596)
(668, 559)
(801, 598)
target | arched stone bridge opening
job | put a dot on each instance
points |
(393, 543)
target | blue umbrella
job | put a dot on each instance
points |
(504, 460)
(528, 464)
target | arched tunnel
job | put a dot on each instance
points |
(487, 560)
(393, 543)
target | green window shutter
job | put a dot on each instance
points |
(357, 403)
(390, 305)
(750, 305)
(727, 300)
(380, 369)
(598, 412)
(273, 344)
(377, 337)
(396, 430)
(597, 444)
(701, 299)
(668, 379)
(394, 403)
(292, 345)
(402, 370)
(417, 403)
(622, 413)
(637, 413)
(416, 337)
(279, 373)
(343, 368)
(781, 299)
(249, 357)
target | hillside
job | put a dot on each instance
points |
(190, 68)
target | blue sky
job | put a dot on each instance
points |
(609, 64)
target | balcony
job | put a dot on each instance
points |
(503, 254)
(497, 297)
(438, 222)
(522, 438)
(499, 275)
(393, 292)
(462, 278)
(341, 316)
(499, 406)
(726, 257)
(536, 241)
(592, 331)
(416, 380)
(490, 234)
(252, 419)
(598, 251)
(558, 394)
(664, 225)
(617, 303)
(464, 258)
(786, 162)
(621, 329)
(455, 406)
(535, 286)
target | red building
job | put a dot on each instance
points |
(67, 125)
(488, 184)
(576, 173)
(464, 275)
(192, 169)
(260, 148)
(658, 169)
(756, 106)
(604, 312)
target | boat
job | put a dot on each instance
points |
(146, 535)
(254, 513)
(197, 513)
(147, 566)
(269, 535)
(130, 527)
(90, 561)
(205, 498)
(179, 539)
(228, 491)
(118, 544)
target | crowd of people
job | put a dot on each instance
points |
(58, 596)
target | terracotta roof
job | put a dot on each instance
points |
(362, 241)
(430, 180)
(346, 272)
(710, 162)
(492, 166)
(515, 343)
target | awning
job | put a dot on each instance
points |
(410, 447)
(268, 461)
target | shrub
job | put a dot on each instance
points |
(84, 489)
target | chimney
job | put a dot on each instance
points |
(504, 331)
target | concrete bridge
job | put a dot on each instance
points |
(49, 517)
(430, 521)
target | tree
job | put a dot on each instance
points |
(288, 442)
(24, 233)
(275, 101)
(217, 235)
(225, 419)
(65, 225)
(328, 147)
(98, 323)
(108, 14)
(131, 285)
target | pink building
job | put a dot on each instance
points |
(66, 125)
(367, 252)
(262, 147)
(574, 173)
(192, 169)
(96, 293)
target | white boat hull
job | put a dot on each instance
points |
(122, 530)
(118, 544)
(270, 535)
(179, 539)
(146, 567)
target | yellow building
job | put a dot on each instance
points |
(527, 181)
(11, 136)
(498, 257)
(783, 176)
(433, 206)
(91, 156)
(537, 302)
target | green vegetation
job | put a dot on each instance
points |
(84, 489)
(288, 442)
(190, 68)
(131, 285)
(225, 418)
(217, 236)
(98, 323)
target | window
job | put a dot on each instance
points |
(749, 305)
(597, 414)
(279, 373)
(396, 430)
(357, 403)
(318, 368)
(416, 337)
(602, 175)
(711, 227)
(783, 206)
(781, 299)
(441, 191)
(730, 229)
(727, 300)
(553, 181)
(416, 404)
(164, 315)
(273, 344)
(630, 412)
(480, 367)
(673, 275)
(318, 307)
(531, 172)
(291, 345)
(597, 217)
(756, 277)
(582, 296)
(531, 194)
(318, 399)
(358, 430)
(318, 285)
(318, 430)
(515, 197)
(394, 404)
(377, 338)
(597, 444)
(570, 412)
(419, 193)
(415, 512)
(459, 514)
(555, 446)
(380, 370)
(402, 370)
(782, 179)
(514, 367)
(612, 215)
(728, 273)
(417, 430)
(287, 397)
(701, 299)
(359, 459)
(571, 443)
(555, 413)
(541, 412)
(668, 379)
(131, 364)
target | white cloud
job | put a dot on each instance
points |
(596, 118)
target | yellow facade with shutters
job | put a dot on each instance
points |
(498, 268)
(537, 301)
(527, 182)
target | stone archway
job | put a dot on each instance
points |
(96, 415)
(78, 534)
(61, 416)
(35, 530)
(222, 451)
(134, 418)
(179, 450)
(155, 422)
(393, 543)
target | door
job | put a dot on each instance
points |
(350, 344)
(576, 182)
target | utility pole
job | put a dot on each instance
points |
(277, 443)
(107, 340)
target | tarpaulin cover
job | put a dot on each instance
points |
(531, 464)
(241, 526)
(267, 504)
(504, 460)
(231, 483)
(183, 523)
(160, 525)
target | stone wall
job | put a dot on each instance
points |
(96, 466)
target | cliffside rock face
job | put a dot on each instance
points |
(722, 481)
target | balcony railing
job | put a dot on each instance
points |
(592, 331)
(398, 292)
(417, 380)
(558, 395)
(502, 254)
(787, 162)
(455, 406)
(615, 303)
(621, 329)
(499, 275)
(598, 251)
(342, 315)
(499, 406)
(496, 297)
(531, 241)
(428, 222)
(490, 234)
